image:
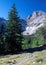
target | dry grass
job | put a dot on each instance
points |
(11, 58)
(37, 56)
(33, 57)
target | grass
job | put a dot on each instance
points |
(38, 59)
(35, 59)
(11, 58)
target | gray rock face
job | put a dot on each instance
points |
(35, 21)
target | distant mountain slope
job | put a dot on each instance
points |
(34, 21)
(3, 22)
(23, 23)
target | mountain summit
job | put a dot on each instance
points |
(35, 14)
(34, 21)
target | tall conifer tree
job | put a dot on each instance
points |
(14, 36)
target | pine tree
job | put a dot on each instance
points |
(14, 36)
(2, 44)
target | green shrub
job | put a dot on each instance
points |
(39, 59)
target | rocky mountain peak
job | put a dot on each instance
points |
(35, 14)
(34, 21)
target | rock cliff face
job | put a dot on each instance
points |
(34, 21)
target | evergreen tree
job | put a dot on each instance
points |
(2, 44)
(14, 36)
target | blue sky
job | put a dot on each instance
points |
(24, 7)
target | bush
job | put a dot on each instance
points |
(39, 59)
(35, 40)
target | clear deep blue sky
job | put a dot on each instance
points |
(24, 7)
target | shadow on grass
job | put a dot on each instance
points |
(31, 50)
